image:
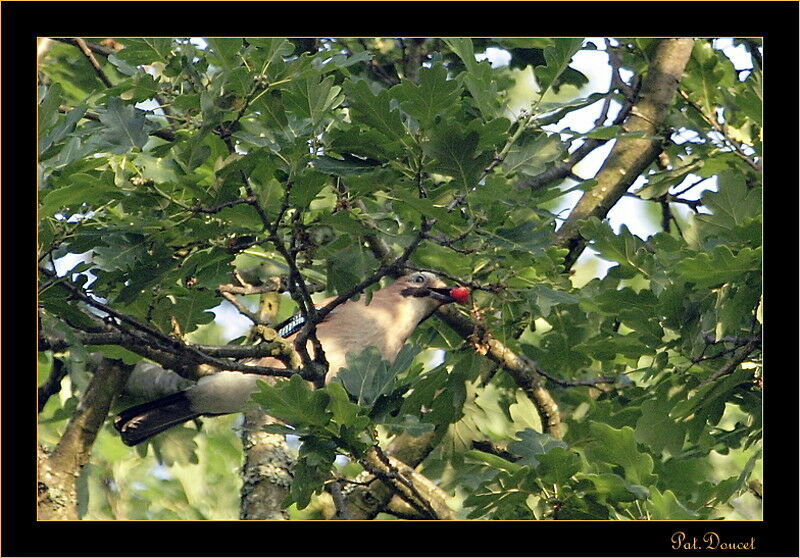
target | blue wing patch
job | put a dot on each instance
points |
(291, 325)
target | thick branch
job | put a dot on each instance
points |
(143, 337)
(630, 155)
(564, 169)
(524, 371)
(422, 496)
(58, 472)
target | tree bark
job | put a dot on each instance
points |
(267, 469)
(630, 156)
(58, 471)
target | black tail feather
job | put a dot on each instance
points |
(141, 422)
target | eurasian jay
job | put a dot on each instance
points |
(386, 322)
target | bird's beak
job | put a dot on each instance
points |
(450, 294)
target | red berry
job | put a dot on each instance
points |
(460, 294)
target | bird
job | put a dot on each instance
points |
(385, 322)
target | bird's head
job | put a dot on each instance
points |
(422, 284)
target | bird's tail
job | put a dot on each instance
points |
(141, 422)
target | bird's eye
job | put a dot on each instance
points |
(419, 279)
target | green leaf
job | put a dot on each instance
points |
(406, 424)
(605, 132)
(273, 111)
(557, 59)
(480, 78)
(136, 89)
(624, 248)
(367, 376)
(271, 52)
(666, 506)
(703, 78)
(48, 108)
(345, 166)
(733, 205)
(656, 429)
(194, 151)
(306, 188)
(618, 447)
(545, 298)
(531, 445)
(434, 95)
(226, 50)
(210, 267)
(464, 50)
(121, 65)
(145, 51)
(720, 266)
(454, 150)
(125, 127)
(728, 488)
(344, 412)
(55, 301)
(557, 465)
(734, 306)
(528, 236)
(751, 99)
(295, 402)
(613, 487)
(120, 251)
(707, 401)
(492, 460)
(425, 389)
(531, 157)
(312, 97)
(369, 144)
(375, 111)
(314, 466)
(347, 267)
(189, 308)
(83, 188)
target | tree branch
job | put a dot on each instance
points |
(93, 47)
(739, 356)
(630, 155)
(58, 472)
(720, 129)
(142, 335)
(87, 52)
(564, 169)
(526, 374)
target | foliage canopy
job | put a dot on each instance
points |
(320, 161)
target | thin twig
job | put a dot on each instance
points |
(243, 310)
(87, 52)
(739, 356)
(94, 47)
(719, 128)
(219, 207)
(575, 383)
(563, 169)
(668, 198)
